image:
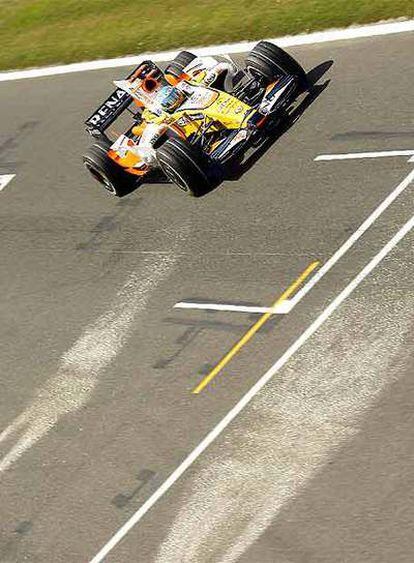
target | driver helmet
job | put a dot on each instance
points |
(169, 98)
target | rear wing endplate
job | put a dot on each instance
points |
(114, 105)
(107, 112)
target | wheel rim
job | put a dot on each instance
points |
(255, 73)
(268, 77)
(175, 177)
(101, 178)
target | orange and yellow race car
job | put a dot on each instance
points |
(190, 119)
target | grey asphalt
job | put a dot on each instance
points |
(319, 467)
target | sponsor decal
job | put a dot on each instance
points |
(199, 99)
(188, 118)
(198, 116)
(222, 105)
(108, 108)
(182, 121)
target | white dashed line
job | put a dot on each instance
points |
(5, 179)
(281, 309)
(287, 305)
(362, 155)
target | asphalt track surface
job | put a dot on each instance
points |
(98, 367)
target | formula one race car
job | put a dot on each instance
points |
(192, 118)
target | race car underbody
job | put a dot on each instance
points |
(191, 119)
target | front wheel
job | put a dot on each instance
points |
(105, 171)
(269, 61)
(185, 166)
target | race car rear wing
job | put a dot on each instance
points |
(114, 105)
(107, 112)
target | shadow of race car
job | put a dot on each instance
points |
(188, 121)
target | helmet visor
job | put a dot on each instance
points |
(169, 98)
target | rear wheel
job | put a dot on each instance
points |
(185, 166)
(176, 67)
(112, 177)
(270, 62)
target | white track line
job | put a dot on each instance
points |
(351, 240)
(5, 179)
(355, 32)
(279, 310)
(357, 155)
(258, 470)
(245, 400)
(285, 307)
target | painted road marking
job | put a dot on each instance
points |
(354, 32)
(361, 155)
(287, 305)
(297, 424)
(5, 179)
(245, 400)
(281, 309)
(351, 240)
(253, 329)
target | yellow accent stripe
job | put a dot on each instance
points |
(252, 330)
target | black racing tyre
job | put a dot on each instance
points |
(176, 67)
(185, 166)
(270, 61)
(106, 171)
